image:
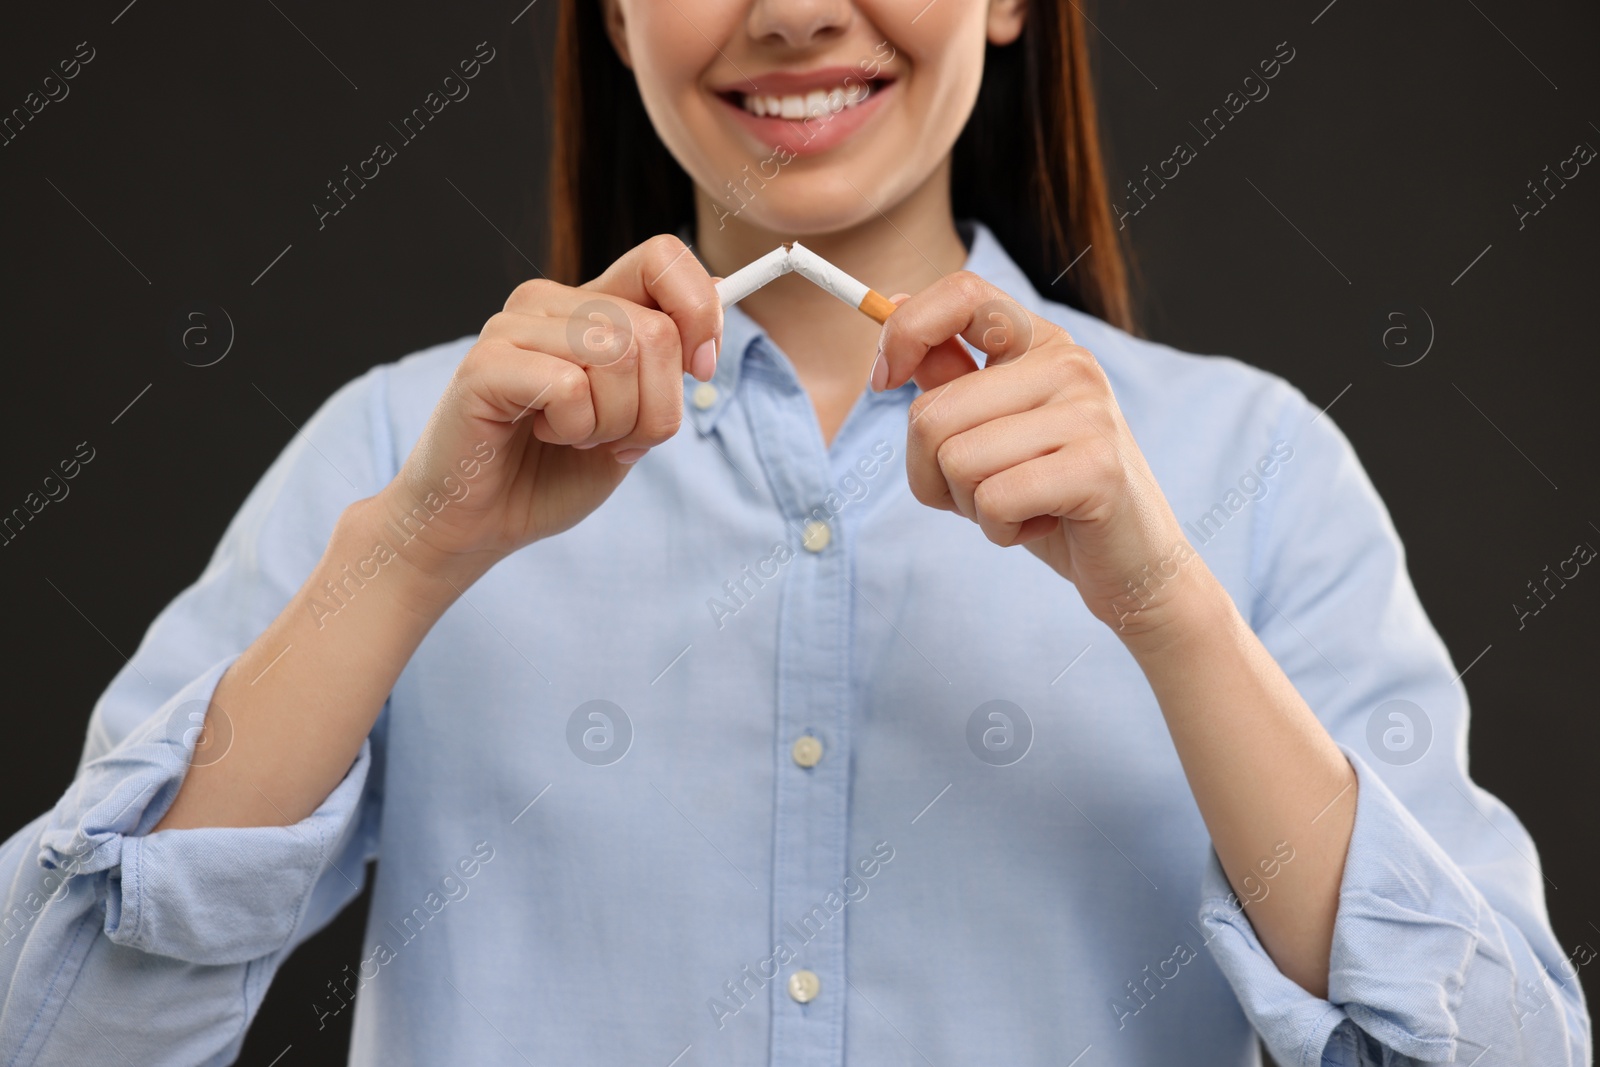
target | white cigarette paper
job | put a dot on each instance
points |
(752, 276)
(820, 272)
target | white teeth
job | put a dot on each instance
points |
(818, 102)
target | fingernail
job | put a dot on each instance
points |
(704, 361)
(896, 298)
(880, 372)
(591, 444)
(630, 455)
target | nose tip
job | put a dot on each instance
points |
(798, 22)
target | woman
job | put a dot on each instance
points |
(839, 702)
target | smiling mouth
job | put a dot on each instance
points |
(801, 106)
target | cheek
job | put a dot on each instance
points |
(672, 44)
(663, 67)
(669, 55)
(945, 48)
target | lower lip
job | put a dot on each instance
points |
(802, 137)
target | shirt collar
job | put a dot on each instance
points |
(740, 333)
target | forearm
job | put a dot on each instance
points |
(288, 718)
(1262, 769)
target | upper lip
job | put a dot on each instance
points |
(787, 82)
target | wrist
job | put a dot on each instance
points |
(375, 538)
(1187, 609)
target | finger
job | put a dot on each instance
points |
(663, 273)
(957, 305)
(944, 362)
(967, 459)
(610, 340)
(507, 383)
(958, 407)
(660, 404)
(1030, 500)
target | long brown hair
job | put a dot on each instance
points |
(1028, 164)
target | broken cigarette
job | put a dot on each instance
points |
(752, 276)
(806, 263)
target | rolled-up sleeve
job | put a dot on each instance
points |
(1442, 948)
(212, 895)
(119, 944)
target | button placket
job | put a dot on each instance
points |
(810, 816)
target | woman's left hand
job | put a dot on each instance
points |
(1034, 449)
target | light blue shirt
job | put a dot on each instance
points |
(599, 842)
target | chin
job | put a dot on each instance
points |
(798, 204)
(802, 216)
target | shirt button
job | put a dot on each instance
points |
(816, 536)
(704, 395)
(804, 986)
(807, 751)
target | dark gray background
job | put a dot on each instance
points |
(1377, 177)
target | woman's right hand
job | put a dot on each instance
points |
(563, 391)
